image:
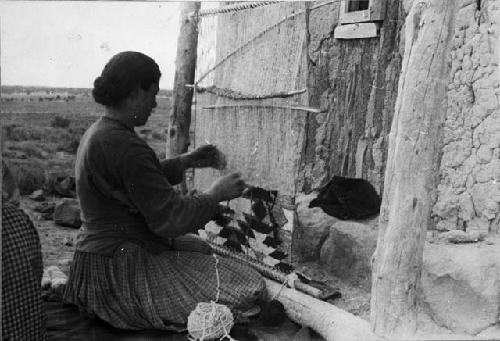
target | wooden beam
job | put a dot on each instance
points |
(221, 106)
(356, 31)
(412, 168)
(182, 97)
(332, 323)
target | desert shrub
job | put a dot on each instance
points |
(60, 122)
(30, 148)
(14, 132)
(69, 147)
(29, 174)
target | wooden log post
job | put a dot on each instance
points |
(332, 323)
(185, 67)
(412, 167)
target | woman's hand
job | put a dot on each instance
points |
(207, 156)
(191, 243)
(227, 187)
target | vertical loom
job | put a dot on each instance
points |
(255, 118)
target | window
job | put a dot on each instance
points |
(357, 5)
(354, 11)
(359, 19)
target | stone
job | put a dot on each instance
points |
(460, 285)
(484, 154)
(67, 241)
(491, 333)
(481, 192)
(491, 209)
(455, 153)
(60, 182)
(496, 153)
(37, 195)
(447, 204)
(466, 207)
(311, 229)
(44, 207)
(447, 224)
(66, 187)
(479, 224)
(458, 237)
(67, 213)
(348, 250)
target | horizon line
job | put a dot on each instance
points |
(54, 87)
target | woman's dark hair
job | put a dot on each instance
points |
(122, 74)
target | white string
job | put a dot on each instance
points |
(289, 281)
(217, 276)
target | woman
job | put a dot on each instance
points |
(23, 316)
(134, 267)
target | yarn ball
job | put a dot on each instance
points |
(210, 321)
(273, 313)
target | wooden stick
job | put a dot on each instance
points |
(232, 8)
(265, 269)
(237, 95)
(307, 109)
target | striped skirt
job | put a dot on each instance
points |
(138, 290)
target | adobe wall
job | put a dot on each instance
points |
(469, 189)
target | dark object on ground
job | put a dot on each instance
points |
(66, 187)
(59, 183)
(45, 207)
(241, 333)
(273, 313)
(67, 213)
(348, 198)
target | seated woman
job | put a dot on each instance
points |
(23, 315)
(134, 267)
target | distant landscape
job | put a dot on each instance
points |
(42, 127)
(41, 131)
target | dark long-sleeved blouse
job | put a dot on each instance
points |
(126, 193)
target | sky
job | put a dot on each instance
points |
(66, 44)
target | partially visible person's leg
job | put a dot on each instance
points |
(23, 317)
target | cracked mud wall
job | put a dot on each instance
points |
(469, 190)
(355, 83)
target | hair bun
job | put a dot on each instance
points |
(124, 72)
(100, 93)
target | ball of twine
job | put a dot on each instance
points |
(210, 321)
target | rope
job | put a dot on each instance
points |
(232, 8)
(257, 36)
(237, 95)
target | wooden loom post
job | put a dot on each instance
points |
(185, 66)
(411, 173)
